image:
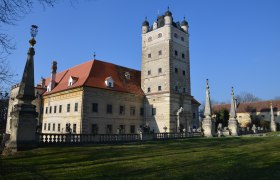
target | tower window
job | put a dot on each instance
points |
(176, 53)
(50, 109)
(184, 73)
(159, 35)
(149, 55)
(149, 89)
(46, 110)
(175, 35)
(54, 109)
(182, 39)
(149, 72)
(176, 70)
(159, 70)
(150, 39)
(159, 52)
(183, 56)
(159, 88)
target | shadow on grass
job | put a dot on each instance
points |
(198, 158)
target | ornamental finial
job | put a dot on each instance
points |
(33, 32)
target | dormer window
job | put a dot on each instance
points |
(109, 82)
(72, 80)
(127, 75)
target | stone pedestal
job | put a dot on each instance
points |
(208, 128)
(23, 129)
(233, 127)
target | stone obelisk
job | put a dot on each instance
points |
(208, 125)
(272, 120)
(23, 117)
(232, 122)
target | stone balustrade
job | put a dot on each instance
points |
(108, 138)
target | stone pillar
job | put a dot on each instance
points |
(23, 117)
(272, 120)
(208, 125)
(232, 122)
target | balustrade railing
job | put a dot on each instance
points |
(108, 138)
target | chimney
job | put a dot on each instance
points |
(43, 82)
(53, 75)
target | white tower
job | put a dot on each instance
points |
(165, 77)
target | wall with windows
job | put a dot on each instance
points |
(62, 108)
(109, 111)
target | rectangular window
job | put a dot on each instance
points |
(68, 107)
(184, 90)
(159, 52)
(122, 129)
(182, 39)
(46, 110)
(60, 108)
(74, 128)
(184, 73)
(109, 129)
(49, 126)
(94, 107)
(109, 108)
(50, 109)
(153, 111)
(141, 111)
(54, 111)
(58, 127)
(149, 55)
(176, 88)
(45, 126)
(159, 70)
(94, 129)
(149, 89)
(183, 56)
(76, 107)
(159, 88)
(194, 116)
(132, 129)
(176, 53)
(53, 126)
(176, 70)
(149, 72)
(122, 110)
(132, 111)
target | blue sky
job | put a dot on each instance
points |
(232, 42)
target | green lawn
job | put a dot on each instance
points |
(198, 158)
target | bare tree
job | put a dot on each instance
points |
(12, 11)
(246, 97)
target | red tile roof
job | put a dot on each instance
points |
(260, 106)
(93, 74)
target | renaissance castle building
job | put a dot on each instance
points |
(99, 97)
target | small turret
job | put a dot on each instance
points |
(168, 17)
(145, 26)
(185, 25)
